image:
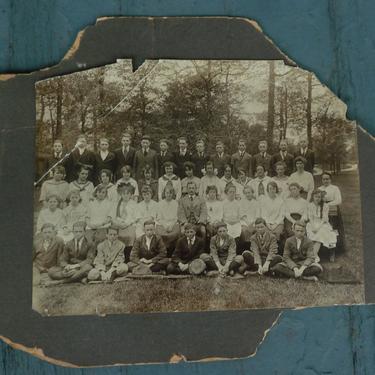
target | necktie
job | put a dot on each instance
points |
(261, 188)
(77, 247)
(145, 152)
(189, 243)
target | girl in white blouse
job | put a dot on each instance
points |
(146, 210)
(231, 212)
(333, 199)
(99, 215)
(105, 177)
(169, 178)
(318, 227)
(249, 212)
(166, 219)
(124, 216)
(126, 172)
(281, 179)
(295, 208)
(272, 210)
(302, 178)
(214, 210)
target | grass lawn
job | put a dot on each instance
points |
(215, 293)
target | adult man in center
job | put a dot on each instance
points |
(242, 160)
(124, 155)
(193, 209)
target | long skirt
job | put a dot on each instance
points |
(325, 235)
(335, 219)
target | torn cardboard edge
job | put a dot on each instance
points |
(174, 359)
(177, 357)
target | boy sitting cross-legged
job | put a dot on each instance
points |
(222, 255)
(299, 256)
(76, 260)
(262, 256)
(46, 251)
(188, 248)
(109, 261)
(149, 250)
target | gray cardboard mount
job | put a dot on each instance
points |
(128, 338)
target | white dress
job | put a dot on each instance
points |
(214, 211)
(174, 180)
(231, 212)
(249, 211)
(145, 211)
(98, 212)
(325, 234)
(272, 210)
(283, 186)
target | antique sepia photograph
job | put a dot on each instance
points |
(194, 185)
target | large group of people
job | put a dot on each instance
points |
(106, 214)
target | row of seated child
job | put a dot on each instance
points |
(81, 260)
(171, 214)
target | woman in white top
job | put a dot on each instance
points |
(318, 227)
(124, 215)
(214, 210)
(272, 210)
(166, 219)
(146, 210)
(295, 208)
(85, 187)
(333, 199)
(302, 178)
(170, 179)
(75, 211)
(231, 212)
(249, 212)
(99, 215)
(229, 179)
(126, 172)
(51, 214)
(242, 180)
(281, 179)
(105, 177)
(210, 179)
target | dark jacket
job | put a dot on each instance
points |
(85, 255)
(304, 256)
(156, 252)
(75, 161)
(200, 163)
(288, 160)
(219, 163)
(44, 260)
(141, 160)
(242, 162)
(265, 160)
(185, 254)
(224, 253)
(180, 160)
(108, 163)
(123, 159)
(264, 249)
(310, 159)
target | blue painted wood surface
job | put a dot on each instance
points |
(335, 39)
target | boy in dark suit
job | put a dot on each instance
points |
(299, 257)
(105, 159)
(145, 156)
(200, 158)
(76, 260)
(222, 255)
(181, 157)
(81, 156)
(164, 155)
(285, 156)
(241, 160)
(188, 248)
(262, 158)
(262, 256)
(193, 209)
(124, 155)
(47, 250)
(149, 250)
(57, 155)
(220, 159)
(307, 154)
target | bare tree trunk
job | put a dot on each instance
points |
(308, 110)
(271, 103)
(281, 119)
(58, 129)
(285, 112)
